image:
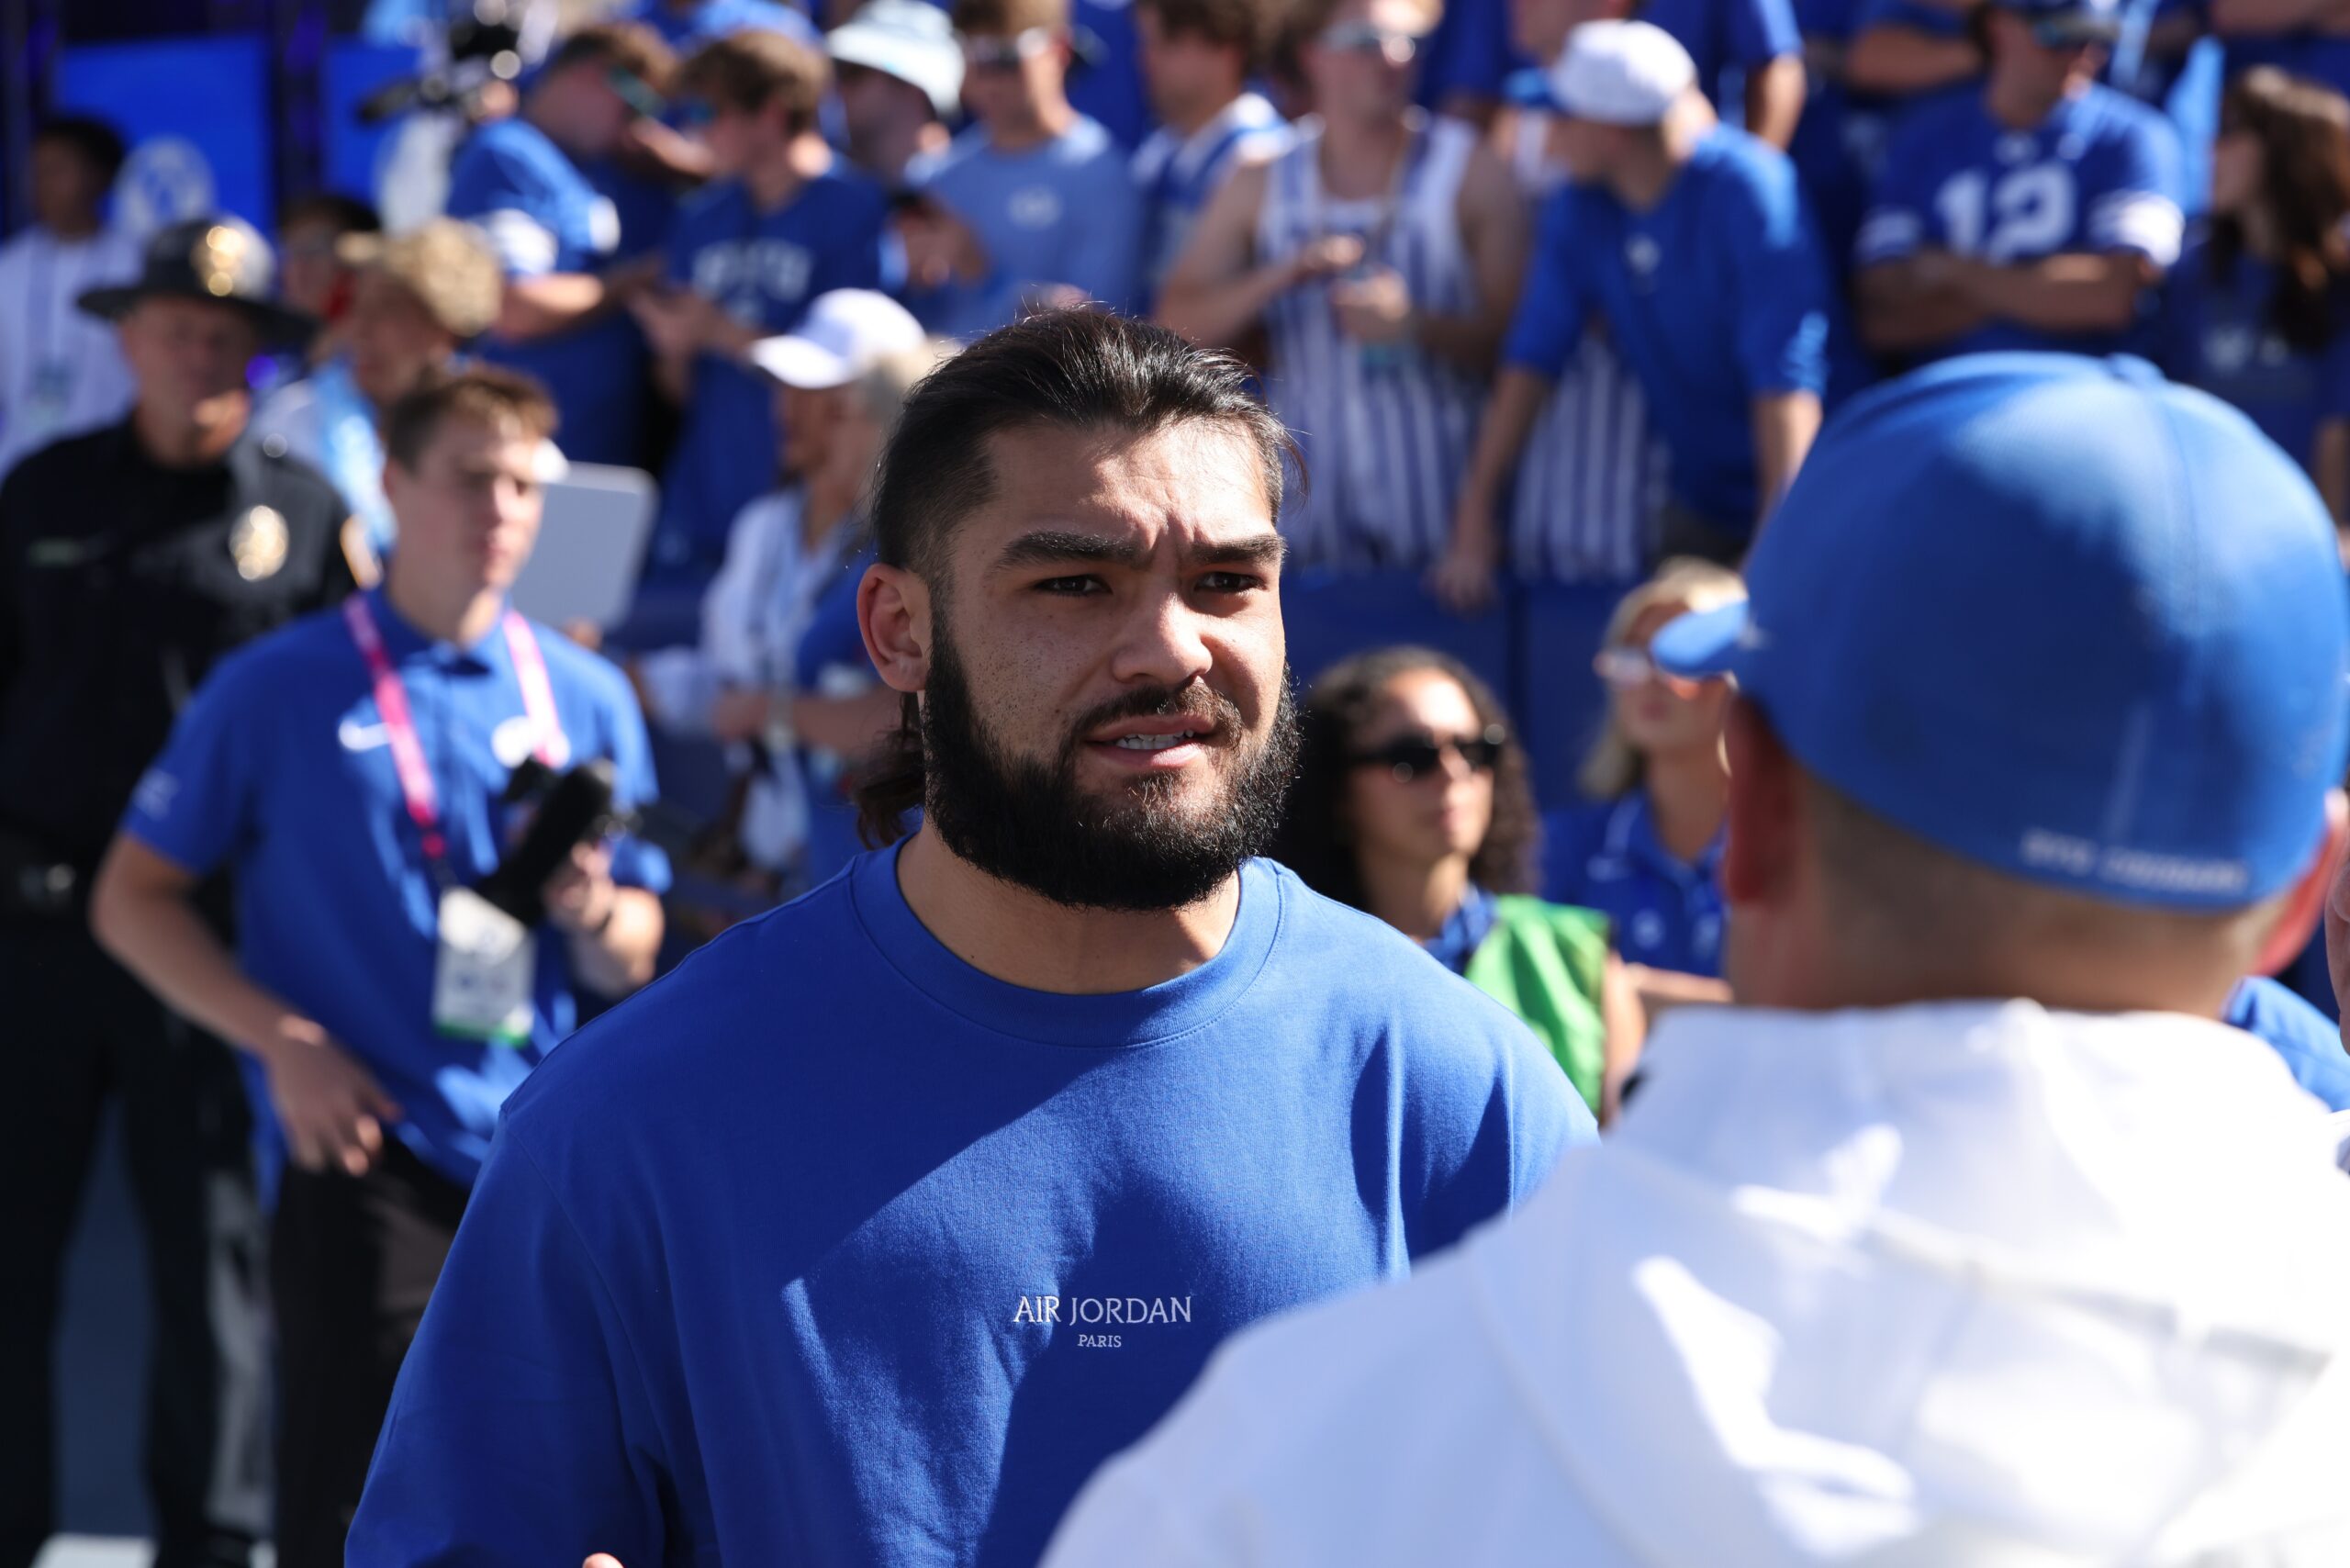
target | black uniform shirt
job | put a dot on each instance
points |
(121, 582)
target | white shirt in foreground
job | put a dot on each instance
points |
(1970, 1283)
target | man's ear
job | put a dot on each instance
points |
(1765, 810)
(893, 612)
(2306, 905)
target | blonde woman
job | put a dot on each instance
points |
(1645, 851)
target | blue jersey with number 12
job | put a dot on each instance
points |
(2100, 174)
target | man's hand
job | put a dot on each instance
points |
(1464, 579)
(940, 248)
(580, 896)
(1375, 307)
(1325, 257)
(332, 1107)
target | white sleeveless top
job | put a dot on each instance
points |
(1387, 432)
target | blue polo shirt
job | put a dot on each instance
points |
(1066, 212)
(762, 268)
(545, 216)
(832, 1248)
(280, 768)
(1715, 296)
(2309, 1042)
(2216, 334)
(2099, 175)
(1667, 912)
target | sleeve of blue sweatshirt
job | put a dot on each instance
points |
(519, 1430)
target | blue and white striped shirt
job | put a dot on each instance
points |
(1386, 430)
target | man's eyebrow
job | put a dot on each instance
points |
(1256, 550)
(1054, 546)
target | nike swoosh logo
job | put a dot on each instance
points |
(356, 736)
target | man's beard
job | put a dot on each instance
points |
(1131, 847)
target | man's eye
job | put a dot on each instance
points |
(1229, 582)
(1073, 588)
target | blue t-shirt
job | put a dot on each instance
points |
(687, 30)
(1110, 88)
(545, 216)
(832, 1248)
(1667, 912)
(2100, 174)
(2323, 58)
(762, 268)
(1715, 296)
(1727, 40)
(1066, 212)
(281, 769)
(2309, 1042)
(1469, 54)
(2216, 334)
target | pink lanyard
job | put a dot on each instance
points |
(399, 727)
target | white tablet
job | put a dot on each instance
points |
(591, 546)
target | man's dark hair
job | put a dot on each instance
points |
(98, 143)
(333, 209)
(625, 46)
(1007, 18)
(747, 71)
(1232, 24)
(490, 393)
(1077, 370)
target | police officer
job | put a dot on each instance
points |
(130, 559)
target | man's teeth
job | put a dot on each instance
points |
(1153, 743)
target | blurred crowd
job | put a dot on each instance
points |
(1553, 296)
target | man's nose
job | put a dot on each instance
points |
(1164, 640)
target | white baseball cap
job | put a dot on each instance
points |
(1621, 73)
(909, 40)
(844, 334)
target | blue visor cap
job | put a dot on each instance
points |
(2060, 617)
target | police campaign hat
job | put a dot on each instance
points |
(217, 258)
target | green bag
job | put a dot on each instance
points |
(1545, 963)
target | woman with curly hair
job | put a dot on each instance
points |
(2256, 310)
(1411, 803)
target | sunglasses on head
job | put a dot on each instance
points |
(1627, 669)
(1413, 756)
(1005, 54)
(1370, 38)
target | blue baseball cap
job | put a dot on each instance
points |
(2060, 617)
(2060, 22)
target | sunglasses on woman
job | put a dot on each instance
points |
(1413, 756)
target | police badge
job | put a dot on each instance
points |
(257, 544)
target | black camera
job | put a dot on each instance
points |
(575, 807)
(483, 45)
